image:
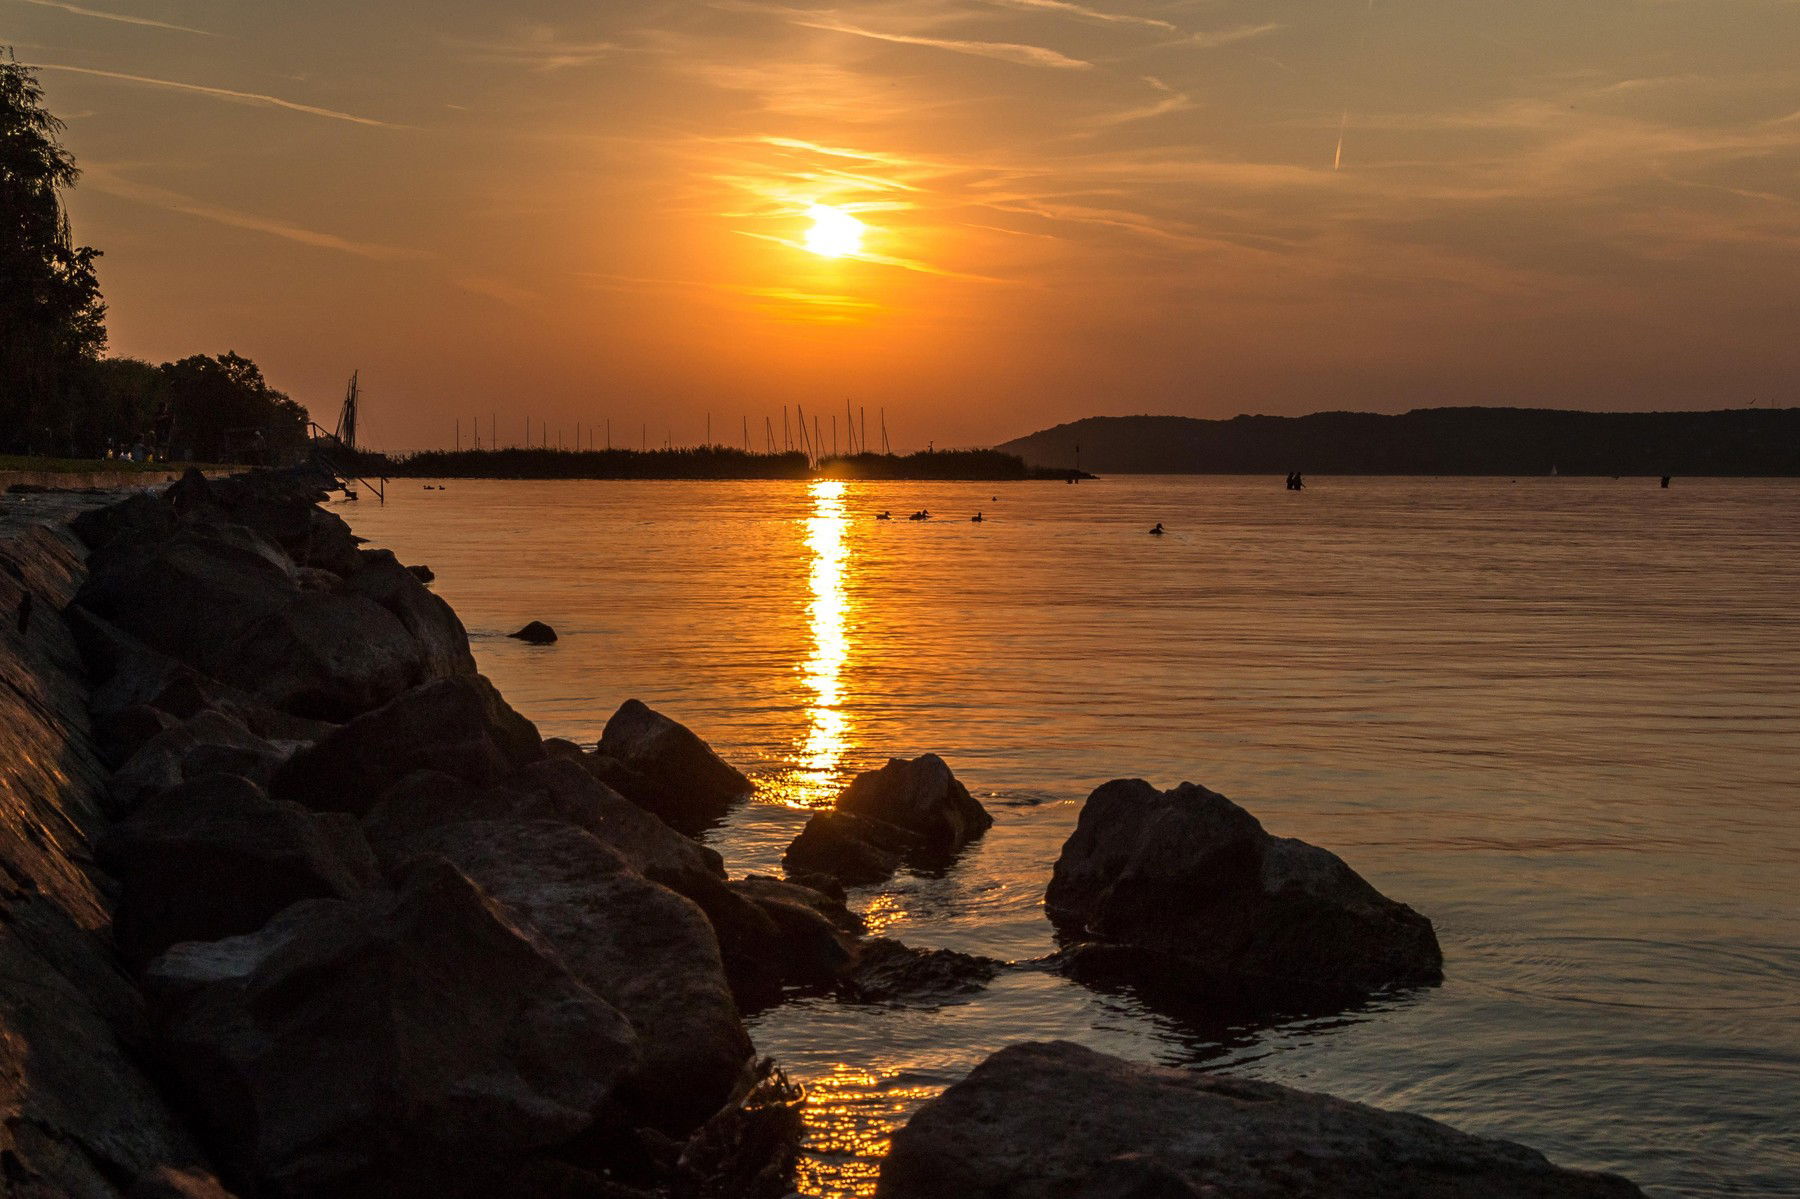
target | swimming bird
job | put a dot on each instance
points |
(884, 516)
(1158, 530)
(976, 518)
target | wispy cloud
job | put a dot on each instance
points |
(121, 18)
(256, 99)
(101, 179)
(1084, 12)
(539, 48)
(1210, 39)
(1014, 52)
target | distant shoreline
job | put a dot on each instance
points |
(716, 463)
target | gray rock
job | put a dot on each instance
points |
(458, 726)
(1212, 901)
(644, 949)
(217, 858)
(1057, 1121)
(411, 1044)
(694, 787)
(210, 742)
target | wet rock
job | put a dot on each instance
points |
(535, 633)
(216, 858)
(921, 796)
(1193, 882)
(458, 726)
(749, 1149)
(854, 850)
(407, 1044)
(645, 950)
(888, 972)
(908, 811)
(1054, 1119)
(693, 786)
(432, 623)
(775, 935)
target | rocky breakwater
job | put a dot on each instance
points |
(1185, 889)
(1057, 1121)
(387, 941)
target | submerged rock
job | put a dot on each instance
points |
(1057, 1121)
(908, 811)
(535, 633)
(1193, 883)
(399, 1044)
(690, 786)
(887, 971)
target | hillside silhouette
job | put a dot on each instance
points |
(1429, 441)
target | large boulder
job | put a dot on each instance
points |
(774, 935)
(921, 796)
(1057, 1121)
(432, 623)
(691, 787)
(459, 726)
(909, 811)
(210, 742)
(408, 1044)
(644, 949)
(217, 858)
(327, 656)
(1192, 882)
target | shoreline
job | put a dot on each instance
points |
(380, 762)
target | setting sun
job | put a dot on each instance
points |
(834, 233)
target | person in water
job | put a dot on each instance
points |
(1158, 530)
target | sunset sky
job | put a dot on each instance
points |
(584, 211)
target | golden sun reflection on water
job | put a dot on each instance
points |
(849, 1116)
(813, 782)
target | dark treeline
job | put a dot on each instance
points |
(984, 465)
(711, 462)
(1432, 441)
(704, 462)
(58, 395)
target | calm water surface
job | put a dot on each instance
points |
(1559, 717)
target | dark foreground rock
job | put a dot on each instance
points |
(909, 811)
(217, 858)
(644, 949)
(887, 971)
(410, 1044)
(688, 785)
(459, 726)
(1191, 884)
(535, 633)
(1057, 1121)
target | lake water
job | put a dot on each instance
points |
(1560, 717)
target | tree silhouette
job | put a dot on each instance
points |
(51, 313)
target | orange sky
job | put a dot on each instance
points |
(584, 211)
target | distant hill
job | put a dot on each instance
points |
(1429, 441)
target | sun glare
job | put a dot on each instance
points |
(834, 233)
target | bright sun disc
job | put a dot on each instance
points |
(834, 232)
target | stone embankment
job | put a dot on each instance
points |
(296, 904)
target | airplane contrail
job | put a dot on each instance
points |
(1337, 159)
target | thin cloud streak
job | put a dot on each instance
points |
(100, 179)
(1014, 52)
(121, 18)
(255, 99)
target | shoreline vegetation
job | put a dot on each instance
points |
(699, 462)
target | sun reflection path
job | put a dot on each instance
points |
(814, 782)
